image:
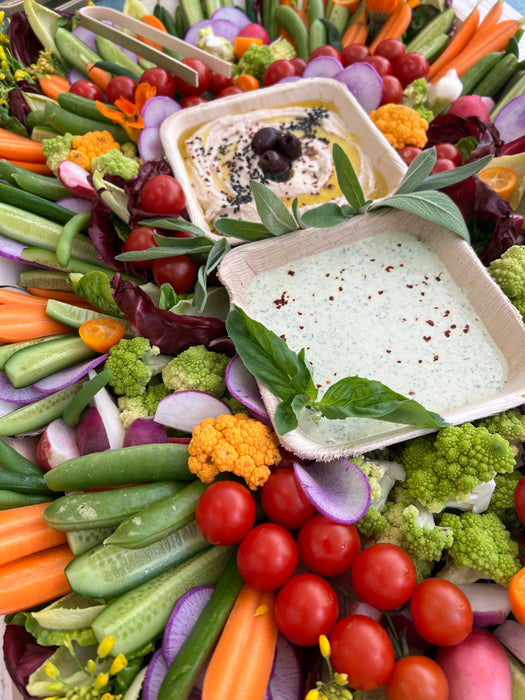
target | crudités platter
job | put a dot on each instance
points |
(397, 288)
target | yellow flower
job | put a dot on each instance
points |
(108, 696)
(51, 670)
(324, 646)
(312, 695)
(102, 680)
(341, 678)
(21, 75)
(91, 666)
(105, 646)
(119, 662)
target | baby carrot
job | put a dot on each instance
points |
(24, 531)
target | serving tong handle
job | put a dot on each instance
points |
(95, 18)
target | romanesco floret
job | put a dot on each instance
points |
(444, 469)
(114, 162)
(282, 50)
(482, 549)
(197, 369)
(509, 424)
(133, 363)
(508, 272)
(381, 476)
(57, 149)
(415, 95)
(372, 523)
(215, 45)
(503, 495)
(254, 61)
(143, 406)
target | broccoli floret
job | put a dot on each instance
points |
(508, 272)
(143, 406)
(114, 162)
(56, 149)
(254, 61)
(133, 363)
(443, 470)
(482, 549)
(215, 45)
(154, 394)
(282, 50)
(197, 368)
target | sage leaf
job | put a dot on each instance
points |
(325, 215)
(418, 170)
(272, 210)
(430, 205)
(187, 245)
(347, 178)
(450, 177)
(162, 252)
(368, 398)
(267, 357)
(174, 225)
(245, 230)
(297, 214)
(216, 254)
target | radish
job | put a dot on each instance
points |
(476, 668)
(57, 444)
(255, 31)
(183, 410)
(470, 106)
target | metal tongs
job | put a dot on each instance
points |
(96, 19)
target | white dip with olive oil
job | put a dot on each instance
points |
(384, 308)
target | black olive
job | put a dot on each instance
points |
(289, 146)
(275, 165)
(265, 139)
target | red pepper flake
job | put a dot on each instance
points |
(389, 268)
(410, 286)
(438, 277)
(411, 393)
(339, 289)
(388, 351)
(330, 298)
(398, 362)
(466, 329)
(426, 338)
(381, 291)
(318, 386)
(282, 301)
(291, 273)
(420, 362)
(446, 334)
(430, 322)
(301, 328)
(327, 274)
(436, 358)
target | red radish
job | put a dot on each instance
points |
(255, 31)
(183, 410)
(470, 106)
(91, 433)
(57, 444)
(76, 179)
(477, 667)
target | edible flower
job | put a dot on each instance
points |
(129, 115)
(336, 687)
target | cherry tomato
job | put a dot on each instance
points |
(450, 152)
(192, 101)
(267, 557)
(204, 77)
(409, 153)
(441, 612)
(299, 64)
(362, 649)
(87, 89)
(163, 195)
(417, 678)
(328, 548)
(160, 79)
(410, 67)
(141, 238)
(353, 53)
(277, 71)
(381, 64)
(121, 86)
(284, 501)
(384, 576)
(180, 271)
(230, 90)
(325, 50)
(225, 512)
(519, 500)
(392, 49)
(442, 164)
(218, 82)
(392, 90)
(305, 607)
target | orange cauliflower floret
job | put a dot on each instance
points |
(233, 443)
(91, 145)
(401, 126)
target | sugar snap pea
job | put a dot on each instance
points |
(13, 461)
(74, 225)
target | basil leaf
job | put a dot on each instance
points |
(347, 178)
(419, 169)
(430, 205)
(272, 210)
(174, 225)
(368, 398)
(286, 416)
(168, 297)
(325, 215)
(297, 214)
(245, 230)
(450, 177)
(268, 358)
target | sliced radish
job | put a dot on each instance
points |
(182, 619)
(91, 433)
(512, 635)
(79, 206)
(192, 36)
(338, 489)
(149, 144)
(76, 179)
(57, 444)
(489, 602)
(157, 109)
(365, 84)
(322, 67)
(510, 122)
(243, 387)
(26, 394)
(183, 410)
(144, 431)
(11, 250)
(66, 377)
(286, 681)
(155, 674)
(231, 14)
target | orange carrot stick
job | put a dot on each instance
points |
(9, 296)
(394, 27)
(34, 579)
(27, 150)
(54, 85)
(250, 625)
(458, 42)
(98, 75)
(492, 17)
(39, 168)
(154, 22)
(20, 322)
(24, 531)
(357, 32)
(59, 295)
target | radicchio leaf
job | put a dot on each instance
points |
(450, 128)
(22, 656)
(172, 333)
(18, 107)
(23, 42)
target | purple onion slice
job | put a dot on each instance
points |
(510, 122)
(233, 15)
(155, 674)
(66, 377)
(149, 144)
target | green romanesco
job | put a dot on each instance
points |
(198, 369)
(508, 272)
(215, 45)
(381, 476)
(254, 61)
(143, 406)
(282, 50)
(114, 162)
(503, 496)
(133, 363)
(415, 95)
(443, 469)
(57, 149)
(509, 424)
(482, 549)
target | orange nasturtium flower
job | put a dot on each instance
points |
(128, 115)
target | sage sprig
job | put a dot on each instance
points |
(289, 377)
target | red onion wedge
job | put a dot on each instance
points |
(510, 122)
(489, 602)
(286, 678)
(183, 410)
(183, 617)
(157, 109)
(79, 206)
(220, 27)
(322, 67)
(233, 15)
(243, 387)
(155, 674)
(149, 144)
(192, 36)
(338, 489)
(91, 433)
(57, 444)
(365, 84)
(76, 179)
(511, 634)
(144, 431)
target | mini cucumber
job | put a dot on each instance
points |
(138, 464)
(36, 415)
(44, 186)
(517, 89)
(439, 24)
(47, 258)
(289, 20)
(13, 461)
(74, 51)
(64, 121)
(30, 364)
(81, 540)
(84, 107)
(33, 203)
(107, 509)
(338, 15)
(75, 316)
(498, 76)
(45, 279)
(10, 348)
(316, 35)
(478, 71)
(139, 616)
(109, 51)
(435, 47)
(43, 132)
